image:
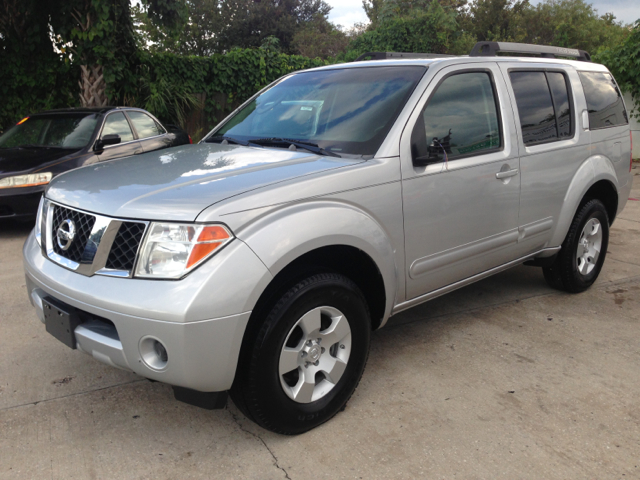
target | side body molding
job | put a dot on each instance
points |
(283, 235)
(593, 170)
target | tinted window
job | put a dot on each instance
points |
(460, 118)
(535, 107)
(604, 101)
(343, 110)
(59, 130)
(117, 124)
(558, 85)
(145, 125)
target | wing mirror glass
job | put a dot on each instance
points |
(111, 139)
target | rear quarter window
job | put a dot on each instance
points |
(604, 101)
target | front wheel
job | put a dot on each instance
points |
(583, 251)
(303, 364)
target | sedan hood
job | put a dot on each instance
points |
(24, 160)
(178, 183)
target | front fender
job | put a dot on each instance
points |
(283, 235)
(594, 169)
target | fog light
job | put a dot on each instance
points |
(154, 353)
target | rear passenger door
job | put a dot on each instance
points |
(460, 210)
(151, 134)
(552, 145)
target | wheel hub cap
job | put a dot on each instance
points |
(589, 247)
(315, 354)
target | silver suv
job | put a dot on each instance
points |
(259, 261)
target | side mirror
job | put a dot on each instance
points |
(112, 139)
(433, 156)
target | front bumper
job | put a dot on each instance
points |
(194, 318)
(20, 203)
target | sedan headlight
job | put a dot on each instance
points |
(171, 250)
(29, 180)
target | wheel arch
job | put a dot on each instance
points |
(336, 237)
(595, 179)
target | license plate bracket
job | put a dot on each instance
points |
(60, 321)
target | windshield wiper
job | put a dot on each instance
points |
(237, 141)
(312, 147)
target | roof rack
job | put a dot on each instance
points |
(491, 49)
(386, 55)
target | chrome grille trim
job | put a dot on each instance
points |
(102, 237)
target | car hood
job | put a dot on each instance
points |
(24, 160)
(178, 183)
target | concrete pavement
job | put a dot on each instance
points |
(503, 379)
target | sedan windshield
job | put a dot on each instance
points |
(343, 111)
(54, 130)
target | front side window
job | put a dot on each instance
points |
(145, 125)
(543, 106)
(344, 111)
(604, 101)
(71, 131)
(117, 124)
(460, 119)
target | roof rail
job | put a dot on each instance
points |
(491, 49)
(386, 55)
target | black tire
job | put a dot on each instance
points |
(257, 390)
(564, 273)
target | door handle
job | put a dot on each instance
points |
(507, 174)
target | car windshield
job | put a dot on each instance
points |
(343, 111)
(55, 130)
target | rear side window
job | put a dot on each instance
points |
(604, 101)
(543, 105)
(461, 119)
(145, 125)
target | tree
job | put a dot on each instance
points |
(496, 20)
(99, 37)
(571, 24)
(33, 76)
(217, 26)
(320, 39)
(372, 9)
(624, 62)
(433, 30)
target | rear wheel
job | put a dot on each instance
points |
(304, 362)
(583, 251)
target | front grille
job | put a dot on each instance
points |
(83, 225)
(125, 246)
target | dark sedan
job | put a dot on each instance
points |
(44, 145)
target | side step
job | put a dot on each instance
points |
(206, 400)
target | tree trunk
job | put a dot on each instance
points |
(92, 87)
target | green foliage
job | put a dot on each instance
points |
(624, 62)
(166, 83)
(571, 24)
(433, 30)
(33, 77)
(496, 20)
(217, 26)
(97, 32)
(320, 39)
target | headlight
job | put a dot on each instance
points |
(38, 227)
(29, 180)
(171, 250)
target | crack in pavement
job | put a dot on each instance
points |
(71, 395)
(275, 459)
